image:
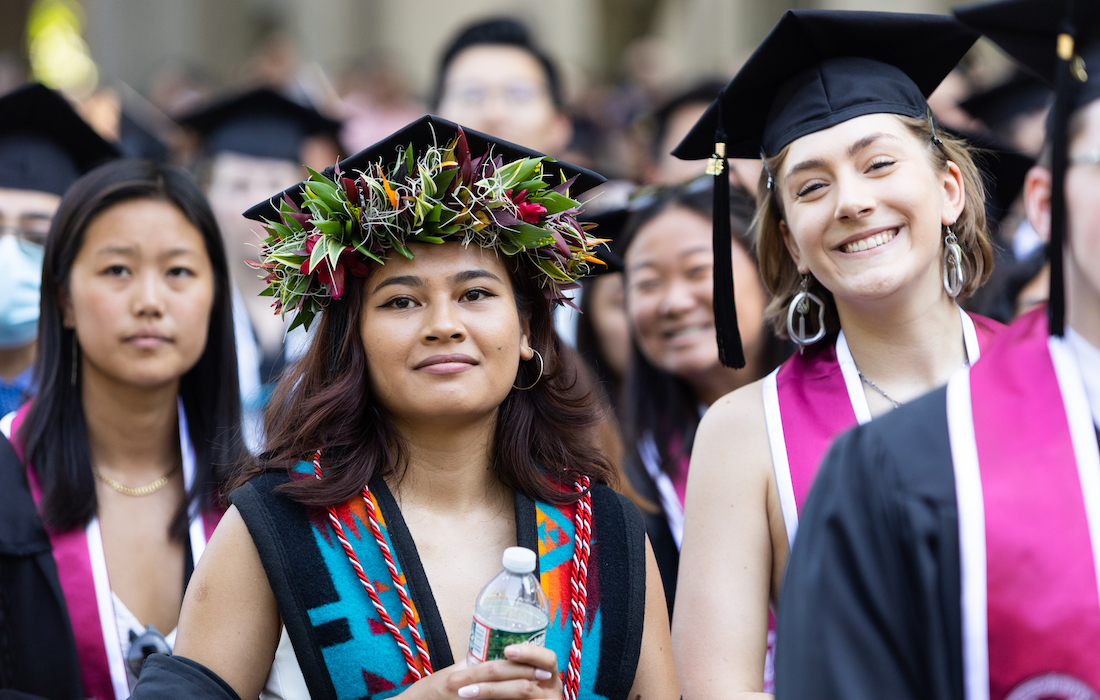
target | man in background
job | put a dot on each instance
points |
(44, 147)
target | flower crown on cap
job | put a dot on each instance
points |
(443, 194)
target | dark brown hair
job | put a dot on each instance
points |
(545, 437)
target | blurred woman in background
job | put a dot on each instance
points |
(603, 332)
(124, 449)
(674, 372)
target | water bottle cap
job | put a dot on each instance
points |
(519, 560)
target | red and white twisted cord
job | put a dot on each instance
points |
(334, 519)
(582, 525)
(578, 584)
(402, 592)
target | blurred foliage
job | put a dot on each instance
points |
(58, 54)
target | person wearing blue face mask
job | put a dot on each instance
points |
(44, 147)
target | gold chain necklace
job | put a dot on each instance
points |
(146, 490)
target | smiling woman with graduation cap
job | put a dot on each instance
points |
(870, 226)
(952, 550)
(430, 425)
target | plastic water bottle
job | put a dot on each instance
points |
(511, 609)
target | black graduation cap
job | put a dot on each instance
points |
(1057, 40)
(816, 69)
(426, 131)
(139, 141)
(44, 144)
(1029, 30)
(609, 224)
(143, 130)
(998, 106)
(259, 123)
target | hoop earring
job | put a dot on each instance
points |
(800, 304)
(525, 388)
(76, 361)
(953, 275)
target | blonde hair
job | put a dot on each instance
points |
(780, 274)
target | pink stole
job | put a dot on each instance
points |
(813, 403)
(1027, 471)
(808, 402)
(73, 556)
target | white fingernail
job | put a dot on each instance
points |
(469, 691)
(542, 674)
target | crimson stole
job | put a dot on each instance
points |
(1027, 472)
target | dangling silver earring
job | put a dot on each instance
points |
(953, 275)
(800, 304)
(76, 360)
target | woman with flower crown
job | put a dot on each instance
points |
(870, 227)
(428, 428)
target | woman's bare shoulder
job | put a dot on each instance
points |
(743, 406)
(230, 622)
(731, 445)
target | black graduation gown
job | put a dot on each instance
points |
(37, 650)
(663, 544)
(870, 606)
(38, 657)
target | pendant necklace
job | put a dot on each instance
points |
(877, 388)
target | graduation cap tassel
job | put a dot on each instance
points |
(1063, 106)
(730, 351)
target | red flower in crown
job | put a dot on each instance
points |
(334, 279)
(528, 211)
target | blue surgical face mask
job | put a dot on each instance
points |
(20, 282)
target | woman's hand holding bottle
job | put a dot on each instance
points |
(529, 671)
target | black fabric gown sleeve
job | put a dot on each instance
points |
(870, 606)
(37, 649)
(661, 540)
(180, 678)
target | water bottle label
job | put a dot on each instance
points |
(487, 644)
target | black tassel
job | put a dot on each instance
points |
(1059, 122)
(730, 351)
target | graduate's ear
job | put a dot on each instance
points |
(1038, 185)
(526, 352)
(954, 194)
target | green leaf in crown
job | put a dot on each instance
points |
(443, 194)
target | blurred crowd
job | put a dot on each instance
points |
(246, 140)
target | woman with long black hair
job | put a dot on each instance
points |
(123, 451)
(674, 369)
